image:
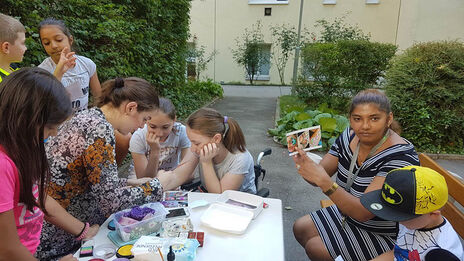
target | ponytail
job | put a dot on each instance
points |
(129, 89)
(233, 137)
(209, 122)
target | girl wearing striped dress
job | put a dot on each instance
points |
(360, 158)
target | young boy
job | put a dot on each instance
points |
(12, 44)
(413, 196)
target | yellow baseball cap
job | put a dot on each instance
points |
(407, 193)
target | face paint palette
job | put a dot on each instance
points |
(125, 251)
(86, 251)
(111, 225)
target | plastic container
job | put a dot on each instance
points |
(227, 218)
(242, 200)
(104, 251)
(141, 228)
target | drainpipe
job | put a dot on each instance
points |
(214, 44)
(297, 49)
(398, 23)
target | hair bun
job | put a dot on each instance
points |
(118, 82)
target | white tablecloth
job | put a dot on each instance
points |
(263, 239)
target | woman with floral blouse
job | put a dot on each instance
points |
(83, 166)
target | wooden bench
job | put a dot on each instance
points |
(326, 203)
(455, 190)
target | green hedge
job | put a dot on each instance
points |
(426, 88)
(144, 38)
(334, 72)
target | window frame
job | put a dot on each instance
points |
(268, 2)
(329, 2)
(264, 77)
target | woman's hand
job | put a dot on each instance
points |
(208, 152)
(67, 61)
(93, 230)
(68, 258)
(312, 172)
(154, 142)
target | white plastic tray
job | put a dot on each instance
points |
(227, 218)
(242, 200)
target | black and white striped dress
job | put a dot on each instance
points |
(361, 240)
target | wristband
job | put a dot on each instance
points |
(331, 190)
(83, 232)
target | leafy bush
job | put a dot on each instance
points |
(124, 37)
(249, 51)
(193, 95)
(334, 72)
(298, 116)
(284, 42)
(426, 88)
(338, 30)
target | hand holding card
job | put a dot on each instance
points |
(305, 139)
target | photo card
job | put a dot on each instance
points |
(175, 198)
(240, 204)
(305, 139)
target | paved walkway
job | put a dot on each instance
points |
(254, 108)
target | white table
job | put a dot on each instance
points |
(263, 239)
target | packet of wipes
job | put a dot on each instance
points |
(148, 246)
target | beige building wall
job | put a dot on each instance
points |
(217, 23)
(430, 20)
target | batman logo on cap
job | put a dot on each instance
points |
(390, 195)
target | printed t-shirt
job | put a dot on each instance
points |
(171, 148)
(76, 80)
(28, 224)
(421, 241)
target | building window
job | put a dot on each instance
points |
(191, 70)
(267, 11)
(268, 2)
(372, 2)
(329, 2)
(263, 71)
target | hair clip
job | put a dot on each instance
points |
(118, 82)
(225, 119)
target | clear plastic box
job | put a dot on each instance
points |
(141, 228)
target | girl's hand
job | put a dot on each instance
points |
(67, 61)
(93, 230)
(68, 258)
(154, 142)
(138, 182)
(308, 169)
(208, 152)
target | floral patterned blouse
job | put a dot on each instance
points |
(85, 179)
